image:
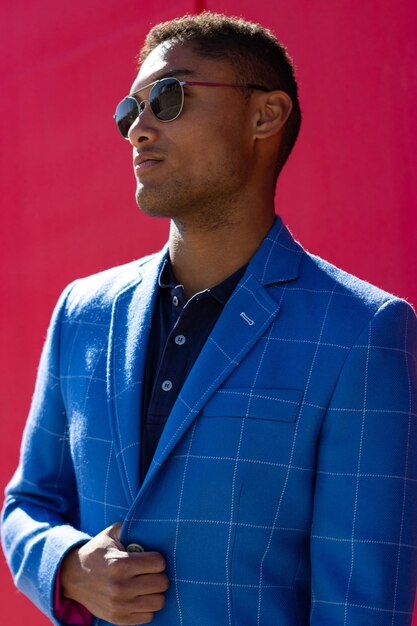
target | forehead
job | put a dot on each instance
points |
(175, 58)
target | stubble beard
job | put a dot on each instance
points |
(211, 206)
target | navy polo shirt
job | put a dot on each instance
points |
(179, 330)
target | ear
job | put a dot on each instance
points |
(272, 111)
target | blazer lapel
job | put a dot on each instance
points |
(129, 334)
(246, 316)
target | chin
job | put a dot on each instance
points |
(158, 200)
(154, 209)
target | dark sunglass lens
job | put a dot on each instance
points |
(165, 99)
(126, 113)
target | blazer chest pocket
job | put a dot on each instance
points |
(278, 405)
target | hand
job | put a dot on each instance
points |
(120, 587)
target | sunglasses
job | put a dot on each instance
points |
(166, 101)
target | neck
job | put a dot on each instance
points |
(202, 258)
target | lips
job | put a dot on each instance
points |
(145, 160)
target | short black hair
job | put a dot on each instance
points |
(255, 53)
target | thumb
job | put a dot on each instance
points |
(113, 532)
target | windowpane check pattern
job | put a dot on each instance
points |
(283, 487)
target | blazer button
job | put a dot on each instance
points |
(135, 547)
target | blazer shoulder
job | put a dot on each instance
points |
(350, 302)
(364, 294)
(97, 292)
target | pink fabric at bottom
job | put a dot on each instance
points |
(69, 611)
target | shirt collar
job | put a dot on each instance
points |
(167, 278)
(221, 292)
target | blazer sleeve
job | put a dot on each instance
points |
(364, 530)
(40, 513)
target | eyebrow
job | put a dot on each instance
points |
(174, 72)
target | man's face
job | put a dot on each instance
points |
(200, 162)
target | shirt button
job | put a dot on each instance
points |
(180, 340)
(175, 301)
(167, 385)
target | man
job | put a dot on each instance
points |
(223, 433)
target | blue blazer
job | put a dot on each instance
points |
(283, 489)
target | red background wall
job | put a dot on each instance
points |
(67, 192)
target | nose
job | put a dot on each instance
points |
(144, 127)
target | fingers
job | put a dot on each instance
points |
(129, 620)
(153, 583)
(132, 589)
(135, 588)
(143, 618)
(141, 562)
(152, 603)
(146, 604)
(121, 587)
(132, 620)
(138, 610)
(126, 590)
(126, 565)
(147, 562)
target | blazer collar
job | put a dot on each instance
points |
(278, 257)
